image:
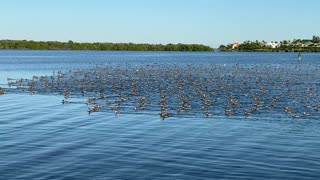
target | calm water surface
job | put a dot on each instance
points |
(42, 139)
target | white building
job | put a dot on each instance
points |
(272, 44)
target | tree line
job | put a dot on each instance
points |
(297, 45)
(70, 45)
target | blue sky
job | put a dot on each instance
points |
(210, 22)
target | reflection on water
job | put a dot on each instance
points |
(40, 138)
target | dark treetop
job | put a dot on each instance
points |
(70, 45)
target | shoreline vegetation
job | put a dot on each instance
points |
(297, 45)
(103, 46)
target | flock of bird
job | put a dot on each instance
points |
(187, 90)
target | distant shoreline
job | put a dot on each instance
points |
(215, 51)
(99, 46)
(296, 45)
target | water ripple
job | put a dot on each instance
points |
(42, 139)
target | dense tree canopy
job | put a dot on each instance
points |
(316, 39)
(70, 45)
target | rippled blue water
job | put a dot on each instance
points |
(42, 139)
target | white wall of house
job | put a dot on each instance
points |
(272, 45)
